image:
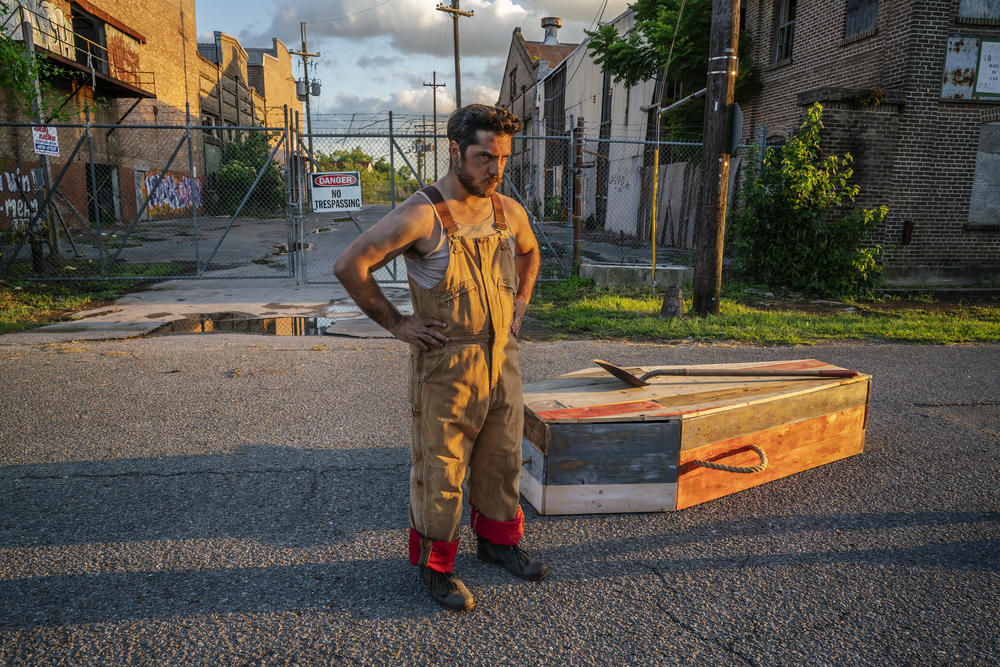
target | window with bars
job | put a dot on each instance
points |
(784, 30)
(862, 16)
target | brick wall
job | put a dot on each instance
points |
(914, 151)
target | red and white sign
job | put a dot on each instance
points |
(336, 191)
(338, 180)
(46, 140)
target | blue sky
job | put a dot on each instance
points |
(376, 54)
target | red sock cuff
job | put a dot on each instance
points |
(498, 532)
(434, 554)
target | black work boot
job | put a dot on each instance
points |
(447, 589)
(513, 558)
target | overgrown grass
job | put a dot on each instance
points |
(579, 307)
(27, 304)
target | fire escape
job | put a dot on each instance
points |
(92, 48)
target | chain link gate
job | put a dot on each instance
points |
(397, 159)
(146, 201)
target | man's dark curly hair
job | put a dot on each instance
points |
(464, 122)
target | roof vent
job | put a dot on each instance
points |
(551, 25)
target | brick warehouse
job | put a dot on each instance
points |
(143, 65)
(902, 91)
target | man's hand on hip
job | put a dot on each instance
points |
(420, 332)
(520, 308)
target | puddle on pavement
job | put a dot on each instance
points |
(240, 323)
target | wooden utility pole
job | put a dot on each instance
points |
(455, 13)
(305, 55)
(710, 226)
(434, 87)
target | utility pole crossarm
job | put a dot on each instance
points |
(454, 10)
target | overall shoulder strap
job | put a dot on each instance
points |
(501, 221)
(444, 214)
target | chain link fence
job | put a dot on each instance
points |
(117, 201)
(155, 201)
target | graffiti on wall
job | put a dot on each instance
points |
(17, 188)
(174, 193)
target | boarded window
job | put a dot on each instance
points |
(784, 30)
(862, 16)
(980, 9)
(984, 205)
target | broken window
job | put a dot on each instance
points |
(984, 205)
(980, 9)
(784, 30)
(90, 41)
(862, 16)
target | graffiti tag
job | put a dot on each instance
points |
(19, 208)
(174, 193)
(620, 182)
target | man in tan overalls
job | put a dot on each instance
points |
(472, 262)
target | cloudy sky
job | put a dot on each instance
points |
(377, 54)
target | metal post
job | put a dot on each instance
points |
(193, 174)
(27, 34)
(392, 166)
(577, 193)
(434, 98)
(93, 188)
(656, 182)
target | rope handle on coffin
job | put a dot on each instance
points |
(743, 469)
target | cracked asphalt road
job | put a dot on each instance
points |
(160, 508)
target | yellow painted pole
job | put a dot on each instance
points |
(656, 178)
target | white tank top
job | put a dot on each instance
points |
(427, 270)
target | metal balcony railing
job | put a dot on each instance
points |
(53, 33)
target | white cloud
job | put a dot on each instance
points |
(407, 101)
(415, 26)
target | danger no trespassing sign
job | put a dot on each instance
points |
(336, 191)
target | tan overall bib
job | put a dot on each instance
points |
(466, 398)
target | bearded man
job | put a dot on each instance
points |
(472, 261)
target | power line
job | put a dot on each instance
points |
(347, 16)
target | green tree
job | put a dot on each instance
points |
(789, 231)
(642, 54)
(375, 174)
(245, 157)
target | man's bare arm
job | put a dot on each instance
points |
(527, 260)
(389, 238)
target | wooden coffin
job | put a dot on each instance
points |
(594, 444)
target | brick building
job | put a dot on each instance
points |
(911, 90)
(527, 64)
(241, 87)
(136, 64)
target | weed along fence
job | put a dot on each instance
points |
(85, 201)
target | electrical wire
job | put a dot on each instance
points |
(347, 16)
